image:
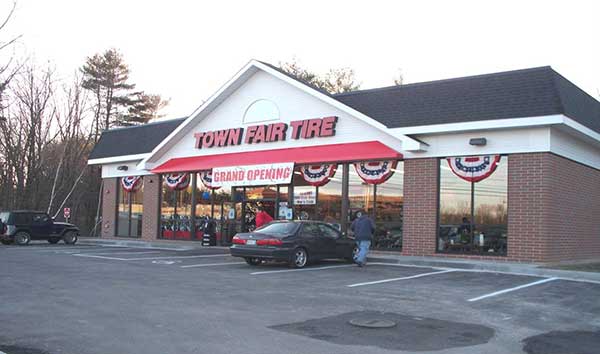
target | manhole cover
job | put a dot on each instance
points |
(372, 323)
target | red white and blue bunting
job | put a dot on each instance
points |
(131, 183)
(177, 181)
(375, 172)
(206, 178)
(474, 168)
(318, 175)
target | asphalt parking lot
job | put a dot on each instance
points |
(88, 299)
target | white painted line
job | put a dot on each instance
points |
(210, 264)
(408, 265)
(403, 278)
(147, 258)
(301, 270)
(512, 289)
(101, 257)
(119, 253)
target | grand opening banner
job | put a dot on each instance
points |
(253, 175)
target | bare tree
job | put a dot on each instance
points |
(334, 81)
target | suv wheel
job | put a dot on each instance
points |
(22, 238)
(70, 237)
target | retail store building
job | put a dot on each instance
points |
(502, 166)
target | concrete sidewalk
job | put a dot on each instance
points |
(530, 269)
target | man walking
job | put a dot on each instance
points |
(363, 228)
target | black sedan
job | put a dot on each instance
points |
(296, 242)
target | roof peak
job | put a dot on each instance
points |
(422, 83)
(163, 121)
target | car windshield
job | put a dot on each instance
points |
(4, 216)
(278, 228)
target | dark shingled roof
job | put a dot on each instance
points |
(133, 140)
(512, 94)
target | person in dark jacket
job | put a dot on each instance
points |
(363, 228)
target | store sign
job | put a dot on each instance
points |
(305, 197)
(253, 175)
(266, 133)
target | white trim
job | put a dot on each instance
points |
(113, 159)
(581, 129)
(408, 144)
(482, 125)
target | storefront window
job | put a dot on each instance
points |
(389, 201)
(305, 198)
(361, 195)
(176, 212)
(130, 210)
(330, 199)
(474, 215)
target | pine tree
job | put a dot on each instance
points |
(107, 75)
(143, 108)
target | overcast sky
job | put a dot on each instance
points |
(185, 50)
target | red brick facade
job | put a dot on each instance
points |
(109, 207)
(554, 208)
(421, 185)
(150, 218)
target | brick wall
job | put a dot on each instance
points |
(109, 207)
(553, 209)
(421, 187)
(528, 201)
(573, 223)
(150, 218)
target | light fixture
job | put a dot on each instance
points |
(122, 168)
(478, 141)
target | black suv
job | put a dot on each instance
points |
(23, 226)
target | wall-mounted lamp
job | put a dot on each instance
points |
(478, 141)
(122, 168)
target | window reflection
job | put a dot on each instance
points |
(176, 212)
(130, 209)
(481, 229)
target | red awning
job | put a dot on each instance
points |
(370, 150)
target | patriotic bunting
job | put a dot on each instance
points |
(474, 168)
(177, 181)
(131, 183)
(206, 178)
(375, 172)
(318, 175)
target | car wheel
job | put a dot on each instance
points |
(253, 261)
(299, 258)
(22, 238)
(70, 237)
(353, 255)
(53, 240)
(7, 242)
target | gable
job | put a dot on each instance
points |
(286, 105)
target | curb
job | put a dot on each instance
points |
(534, 270)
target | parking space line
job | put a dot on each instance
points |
(301, 270)
(148, 258)
(403, 278)
(512, 289)
(120, 253)
(210, 264)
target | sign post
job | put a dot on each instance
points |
(67, 213)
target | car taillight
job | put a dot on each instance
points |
(269, 242)
(238, 241)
